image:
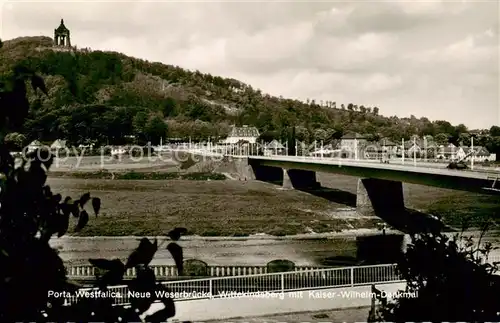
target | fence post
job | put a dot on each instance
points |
(352, 276)
(282, 282)
(371, 315)
(210, 290)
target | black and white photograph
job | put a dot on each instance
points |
(249, 161)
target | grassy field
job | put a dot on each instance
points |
(139, 175)
(208, 208)
(237, 208)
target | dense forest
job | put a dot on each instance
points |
(105, 97)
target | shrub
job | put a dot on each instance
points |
(31, 214)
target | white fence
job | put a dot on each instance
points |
(216, 287)
(88, 272)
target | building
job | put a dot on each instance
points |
(62, 36)
(352, 145)
(419, 147)
(480, 153)
(449, 152)
(34, 145)
(245, 133)
(388, 146)
(58, 144)
(382, 148)
(274, 148)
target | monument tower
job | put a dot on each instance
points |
(61, 36)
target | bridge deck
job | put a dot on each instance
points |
(479, 182)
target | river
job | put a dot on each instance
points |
(304, 250)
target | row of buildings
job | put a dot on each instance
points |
(353, 145)
(415, 147)
(361, 146)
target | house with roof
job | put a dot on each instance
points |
(245, 133)
(419, 147)
(388, 146)
(352, 145)
(382, 148)
(274, 148)
(480, 153)
(34, 145)
(448, 152)
(58, 144)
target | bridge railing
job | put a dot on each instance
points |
(314, 150)
(219, 287)
(87, 272)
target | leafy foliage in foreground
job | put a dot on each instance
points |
(447, 281)
(31, 214)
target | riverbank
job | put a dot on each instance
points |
(303, 250)
(228, 251)
(212, 208)
(206, 208)
(137, 175)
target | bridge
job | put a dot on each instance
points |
(477, 181)
(421, 172)
(380, 185)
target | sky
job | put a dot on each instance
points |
(431, 59)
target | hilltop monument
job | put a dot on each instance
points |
(61, 36)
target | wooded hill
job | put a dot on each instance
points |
(105, 96)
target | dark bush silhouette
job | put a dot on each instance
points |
(280, 265)
(447, 281)
(31, 214)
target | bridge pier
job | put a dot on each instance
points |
(379, 197)
(299, 179)
(268, 174)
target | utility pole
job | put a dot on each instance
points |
(472, 152)
(414, 153)
(356, 149)
(403, 150)
(425, 148)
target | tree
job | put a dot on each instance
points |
(320, 135)
(495, 131)
(30, 214)
(155, 129)
(169, 107)
(447, 280)
(441, 138)
(464, 138)
(301, 134)
(461, 128)
(15, 141)
(268, 136)
(140, 121)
